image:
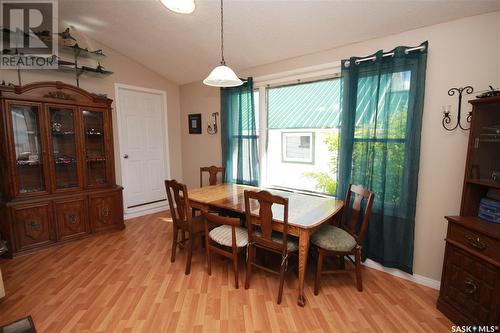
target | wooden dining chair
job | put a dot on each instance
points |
(183, 222)
(264, 237)
(226, 234)
(213, 171)
(346, 239)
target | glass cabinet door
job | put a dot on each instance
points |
(28, 147)
(64, 153)
(95, 148)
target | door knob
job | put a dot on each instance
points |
(125, 156)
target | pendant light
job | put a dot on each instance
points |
(180, 6)
(222, 76)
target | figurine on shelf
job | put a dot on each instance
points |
(65, 159)
(56, 127)
(490, 93)
(96, 158)
(99, 69)
(66, 35)
(93, 131)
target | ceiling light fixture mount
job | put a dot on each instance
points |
(180, 6)
(222, 76)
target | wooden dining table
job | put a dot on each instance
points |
(306, 213)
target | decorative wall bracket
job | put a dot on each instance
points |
(212, 126)
(467, 90)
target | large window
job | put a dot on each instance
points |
(302, 135)
(380, 136)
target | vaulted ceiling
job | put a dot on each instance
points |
(184, 48)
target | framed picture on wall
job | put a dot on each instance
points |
(194, 123)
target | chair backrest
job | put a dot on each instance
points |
(179, 203)
(264, 219)
(212, 171)
(351, 213)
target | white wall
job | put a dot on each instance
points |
(461, 52)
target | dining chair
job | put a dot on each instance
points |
(226, 234)
(213, 171)
(346, 239)
(264, 237)
(183, 222)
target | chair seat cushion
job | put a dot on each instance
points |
(223, 235)
(292, 244)
(332, 238)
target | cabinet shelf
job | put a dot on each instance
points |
(28, 163)
(57, 134)
(65, 163)
(484, 182)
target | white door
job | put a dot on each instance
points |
(142, 145)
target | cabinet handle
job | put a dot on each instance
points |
(105, 211)
(470, 286)
(35, 225)
(72, 218)
(475, 242)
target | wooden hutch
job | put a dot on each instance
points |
(470, 282)
(56, 168)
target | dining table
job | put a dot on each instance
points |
(306, 213)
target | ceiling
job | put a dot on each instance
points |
(184, 48)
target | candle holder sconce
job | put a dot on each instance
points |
(446, 109)
(212, 126)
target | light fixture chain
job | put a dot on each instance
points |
(223, 62)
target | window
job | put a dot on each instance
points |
(297, 147)
(302, 135)
(380, 136)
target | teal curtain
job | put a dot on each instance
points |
(239, 134)
(380, 146)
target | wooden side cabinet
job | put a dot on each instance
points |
(57, 179)
(470, 283)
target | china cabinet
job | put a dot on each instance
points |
(57, 168)
(470, 282)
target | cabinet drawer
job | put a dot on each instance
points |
(106, 211)
(475, 241)
(71, 218)
(32, 225)
(471, 286)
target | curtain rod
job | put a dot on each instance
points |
(390, 54)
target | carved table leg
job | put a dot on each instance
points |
(303, 251)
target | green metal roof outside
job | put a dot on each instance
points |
(308, 105)
(317, 104)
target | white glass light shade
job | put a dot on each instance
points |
(222, 76)
(180, 6)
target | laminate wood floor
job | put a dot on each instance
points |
(124, 282)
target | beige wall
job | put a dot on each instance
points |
(199, 149)
(126, 71)
(461, 52)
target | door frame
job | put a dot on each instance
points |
(154, 207)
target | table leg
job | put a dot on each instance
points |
(303, 254)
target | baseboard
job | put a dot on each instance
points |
(145, 210)
(425, 281)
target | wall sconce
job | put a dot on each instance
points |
(212, 126)
(446, 109)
